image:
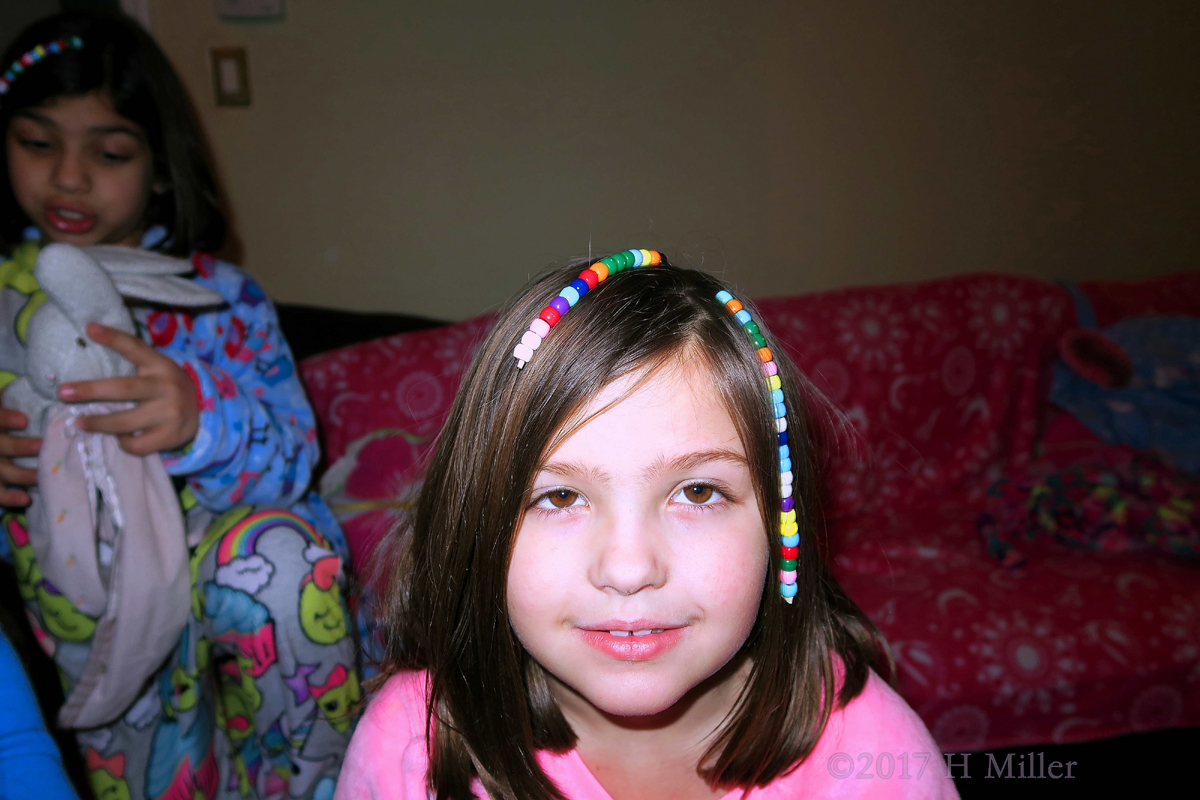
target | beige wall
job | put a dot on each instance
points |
(428, 156)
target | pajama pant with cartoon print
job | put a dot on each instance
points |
(259, 698)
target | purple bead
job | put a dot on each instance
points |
(560, 305)
(789, 503)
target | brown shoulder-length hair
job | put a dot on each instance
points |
(446, 605)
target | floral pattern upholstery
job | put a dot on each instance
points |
(939, 389)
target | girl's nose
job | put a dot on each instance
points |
(70, 172)
(630, 558)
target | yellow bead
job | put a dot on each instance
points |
(788, 530)
(788, 517)
(774, 383)
(645, 258)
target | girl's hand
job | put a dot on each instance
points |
(167, 411)
(11, 447)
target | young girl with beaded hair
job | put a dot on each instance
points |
(610, 586)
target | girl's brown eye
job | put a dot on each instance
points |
(698, 493)
(562, 498)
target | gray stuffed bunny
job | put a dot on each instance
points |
(112, 580)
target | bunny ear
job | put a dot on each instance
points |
(120, 260)
(168, 290)
(80, 287)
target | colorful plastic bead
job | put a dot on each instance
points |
(601, 269)
(638, 260)
(788, 564)
(784, 451)
(788, 504)
(780, 425)
(791, 540)
(550, 315)
(785, 491)
(788, 476)
(788, 590)
(560, 305)
(723, 297)
(785, 465)
(791, 529)
(589, 277)
(776, 395)
(770, 369)
(789, 552)
(773, 382)
(734, 306)
(783, 439)
(780, 411)
(764, 355)
(742, 316)
(752, 327)
(540, 327)
(758, 340)
(787, 517)
(523, 352)
(531, 340)
(787, 577)
(570, 295)
(580, 286)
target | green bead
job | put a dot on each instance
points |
(758, 340)
(626, 259)
(613, 264)
(787, 564)
(752, 327)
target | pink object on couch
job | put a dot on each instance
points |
(945, 385)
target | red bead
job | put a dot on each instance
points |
(550, 316)
(789, 552)
(589, 277)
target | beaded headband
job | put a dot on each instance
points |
(789, 528)
(34, 56)
(539, 329)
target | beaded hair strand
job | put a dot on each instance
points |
(34, 56)
(539, 329)
(789, 528)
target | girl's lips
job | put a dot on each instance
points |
(69, 220)
(626, 645)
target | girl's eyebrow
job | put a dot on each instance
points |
(682, 463)
(96, 130)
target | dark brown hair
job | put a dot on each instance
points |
(446, 602)
(121, 60)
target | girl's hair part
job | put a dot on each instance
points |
(121, 60)
(446, 608)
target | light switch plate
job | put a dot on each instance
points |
(231, 76)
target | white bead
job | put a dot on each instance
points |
(540, 327)
(531, 340)
(781, 424)
(523, 352)
(786, 478)
(786, 491)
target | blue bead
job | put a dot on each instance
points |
(785, 464)
(780, 411)
(784, 452)
(53, 47)
(724, 297)
(792, 541)
(580, 286)
(777, 395)
(788, 589)
(637, 257)
(783, 438)
(742, 316)
(570, 295)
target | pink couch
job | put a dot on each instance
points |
(945, 384)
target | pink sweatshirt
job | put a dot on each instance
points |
(877, 734)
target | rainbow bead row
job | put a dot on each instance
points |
(539, 329)
(789, 528)
(34, 56)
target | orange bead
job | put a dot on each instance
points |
(655, 258)
(734, 306)
(600, 269)
(764, 354)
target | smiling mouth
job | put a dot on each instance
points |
(646, 632)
